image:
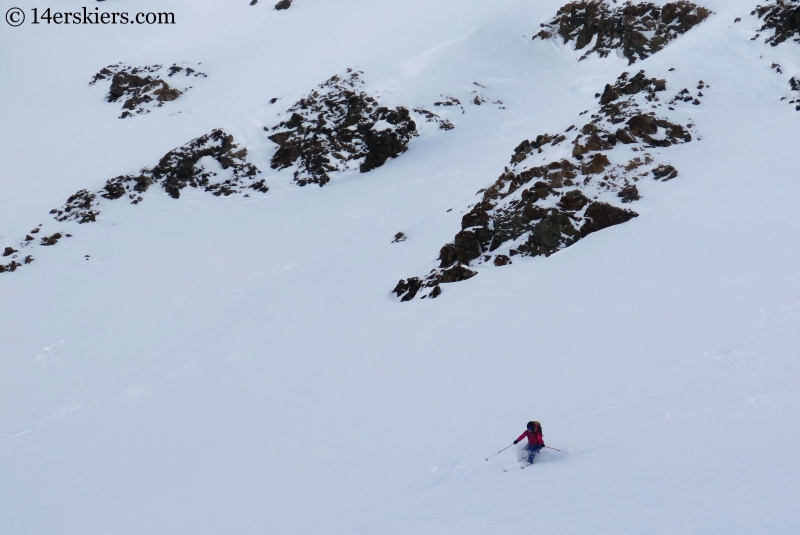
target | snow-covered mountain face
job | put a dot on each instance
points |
(202, 224)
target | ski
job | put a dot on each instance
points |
(515, 467)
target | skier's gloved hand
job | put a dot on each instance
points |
(516, 441)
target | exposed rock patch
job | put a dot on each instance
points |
(636, 30)
(79, 207)
(562, 187)
(338, 127)
(213, 163)
(479, 99)
(794, 85)
(794, 88)
(431, 117)
(782, 18)
(142, 89)
(10, 267)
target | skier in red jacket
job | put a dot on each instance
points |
(535, 441)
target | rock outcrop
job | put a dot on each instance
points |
(142, 89)
(794, 85)
(636, 30)
(213, 163)
(782, 18)
(552, 196)
(338, 127)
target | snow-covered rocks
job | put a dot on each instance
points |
(212, 162)
(543, 204)
(142, 89)
(781, 23)
(635, 30)
(338, 127)
(794, 84)
(782, 18)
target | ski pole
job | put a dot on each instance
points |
(548, 447)
(499, 452)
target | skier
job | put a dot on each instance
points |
(535, 441)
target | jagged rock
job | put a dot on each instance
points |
(665, 172)
(573, 201)
(141, 89)
(10, 267)
(637, 30)
(79, 207)
(51, 240)
(639, 125)
(213, 163)
(399, 237)
(794, 84)
(629, 194)
(537, 208)
(431, 117)
(407, 289)
(781, 16)
(283, 4)
(9, 251)
(551, 233)
(597, 164)
(501, 260)
(339, 128)
(456, 273)
(449, 101)
(28, 259)
(182, 167)
(600, 215)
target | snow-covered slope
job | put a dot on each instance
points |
(238, 363)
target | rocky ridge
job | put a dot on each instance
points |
(637, 30)
(142, 89)
(337, 127)
(559, 188)
(213, 163)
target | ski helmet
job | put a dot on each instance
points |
(532, 425)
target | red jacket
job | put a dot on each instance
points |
(534, 439)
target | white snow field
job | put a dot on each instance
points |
(238, 365)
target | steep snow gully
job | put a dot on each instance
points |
(590, 207)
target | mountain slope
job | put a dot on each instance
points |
(238, 364)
